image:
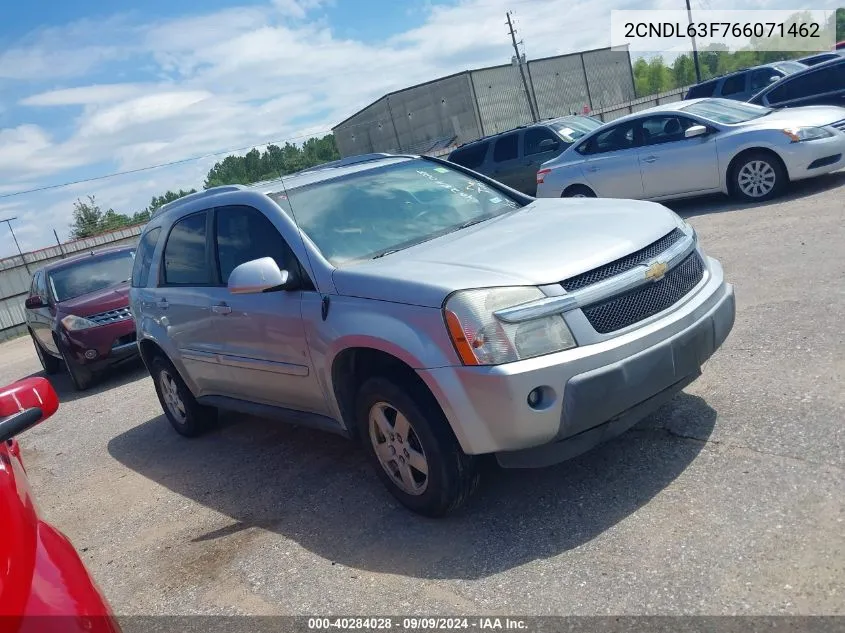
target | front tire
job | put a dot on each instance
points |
(50, 364)
(80, 376)
(186, 415)
(758, 176)
(410, 444)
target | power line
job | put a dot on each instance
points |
(158, 166)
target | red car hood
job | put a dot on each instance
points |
(40, 572)
(96, 302)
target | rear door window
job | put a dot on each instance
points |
(506, 148)
(185, 254)
(471, 156)
(144, 258)
(616, 138)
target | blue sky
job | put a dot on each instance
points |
(88, 88)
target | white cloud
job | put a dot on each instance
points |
(244, 75)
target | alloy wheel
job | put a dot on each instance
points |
(170, 394)
(756, 178)
(398, 448)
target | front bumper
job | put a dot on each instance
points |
(113, 343)
(590, 393)
(813, 158)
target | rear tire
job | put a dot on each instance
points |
(410, 444)
(757, 177)
(578, 191)
(50, 363)
(80, 376)
(186, 415)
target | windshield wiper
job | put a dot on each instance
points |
(470, 223)
(380, 255)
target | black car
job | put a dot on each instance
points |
(822, 84)
(743, 84)
(818, 58)
(514, 157)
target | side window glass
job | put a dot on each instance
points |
(506, 148)
(244, 234)
(535, 137)
(616, 138)
(470, 157)
(41, 286)
(664, 128)
(761, 78)
(734, 85)
(144, 258)
(185, 261)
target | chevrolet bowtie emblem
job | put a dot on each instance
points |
(656, 271)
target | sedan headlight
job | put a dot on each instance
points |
(73, 323)
(798, 134)
(482, 339)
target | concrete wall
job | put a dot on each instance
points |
(16, 274)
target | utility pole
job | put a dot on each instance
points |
(694, 48)
(61, 250)
(534, 116)
(9, 222)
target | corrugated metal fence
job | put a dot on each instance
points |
(16, 274)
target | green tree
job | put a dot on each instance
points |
(89, 219)
(273, 162)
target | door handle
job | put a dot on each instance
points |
(221, 308)
(649, 159)
(162, 303)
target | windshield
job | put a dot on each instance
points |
(576, 127)
(90, 275)
(377, 211)
(726, 110)
(789, 67)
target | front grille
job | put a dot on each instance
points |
(112, 316)
(622, 264)
(624, 310)
(839, 125)
(125, 340)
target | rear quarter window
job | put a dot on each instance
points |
(733, 85)
(702, 90)
(471, 156)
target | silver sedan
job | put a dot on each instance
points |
(700, 146)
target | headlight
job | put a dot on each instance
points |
(482, 339)
(798, 134)
(73, 323)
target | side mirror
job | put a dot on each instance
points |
(33, 302)
(258, 276)
(24, 404)
(548, 144)
(773, 79)
(695, 130)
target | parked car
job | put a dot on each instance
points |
(78, 313)
(691, 148)
(44, 585)
(742, 84)
(426, 310)
(513, 157)
(823, 84)
(818, 58)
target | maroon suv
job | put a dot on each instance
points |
(78, 313)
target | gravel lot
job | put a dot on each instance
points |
(729, 500)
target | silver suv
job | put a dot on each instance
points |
(427, 311)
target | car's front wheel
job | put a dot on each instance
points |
(185, 414)
(80, 376)
(50, 364)
(758, 176)
(412, 447)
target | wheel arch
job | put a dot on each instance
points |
(739, 156)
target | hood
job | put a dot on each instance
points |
(104, 300)
(806, 115)
(543, 243)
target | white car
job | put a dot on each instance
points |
(696, 147)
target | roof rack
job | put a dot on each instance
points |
(211, 191)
